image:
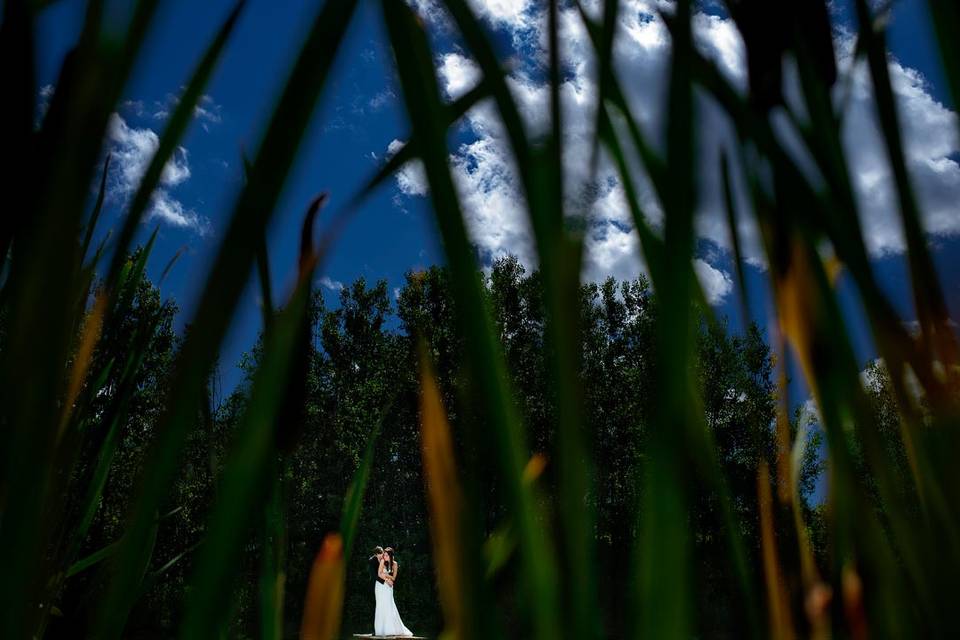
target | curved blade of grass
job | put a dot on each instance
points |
(421, 94)
(654, 251)
(226, 280)
(180, 119)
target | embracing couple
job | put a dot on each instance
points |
(383, 570)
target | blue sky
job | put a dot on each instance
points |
(360, 115)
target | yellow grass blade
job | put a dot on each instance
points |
(778, 601)
(445, 498)
(78, 372)
(324, 602)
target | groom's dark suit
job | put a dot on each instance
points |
(374, 565)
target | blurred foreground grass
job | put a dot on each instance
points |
(893, 541)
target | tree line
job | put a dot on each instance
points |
(363, 368)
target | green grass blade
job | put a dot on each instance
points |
(665, 580)
(97, 207)
(421, 94)
(245, 483)
(730, 208)
(456, 110)
(225, 284)
(272, 565)
(92, 559)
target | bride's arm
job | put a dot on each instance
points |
(382, 573)
(396, 570)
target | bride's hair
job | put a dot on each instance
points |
(389, 552)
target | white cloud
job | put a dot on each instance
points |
(492, 197)
(172, 211)
(206, 111)
(411, 179)
(328, 283)
(381, 100)
(716, 283)
(132, 149)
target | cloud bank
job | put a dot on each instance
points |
(492, 197)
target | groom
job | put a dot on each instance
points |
(373, 563)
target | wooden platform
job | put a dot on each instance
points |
(369, 635)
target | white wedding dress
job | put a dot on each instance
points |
(386, 618)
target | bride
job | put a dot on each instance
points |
(386, 619)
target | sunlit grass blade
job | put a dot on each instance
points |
(176, 127)
(446, 502)
(421, 94)
(78, 371)
(226, 280)
(323, 604)
(778, 601)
